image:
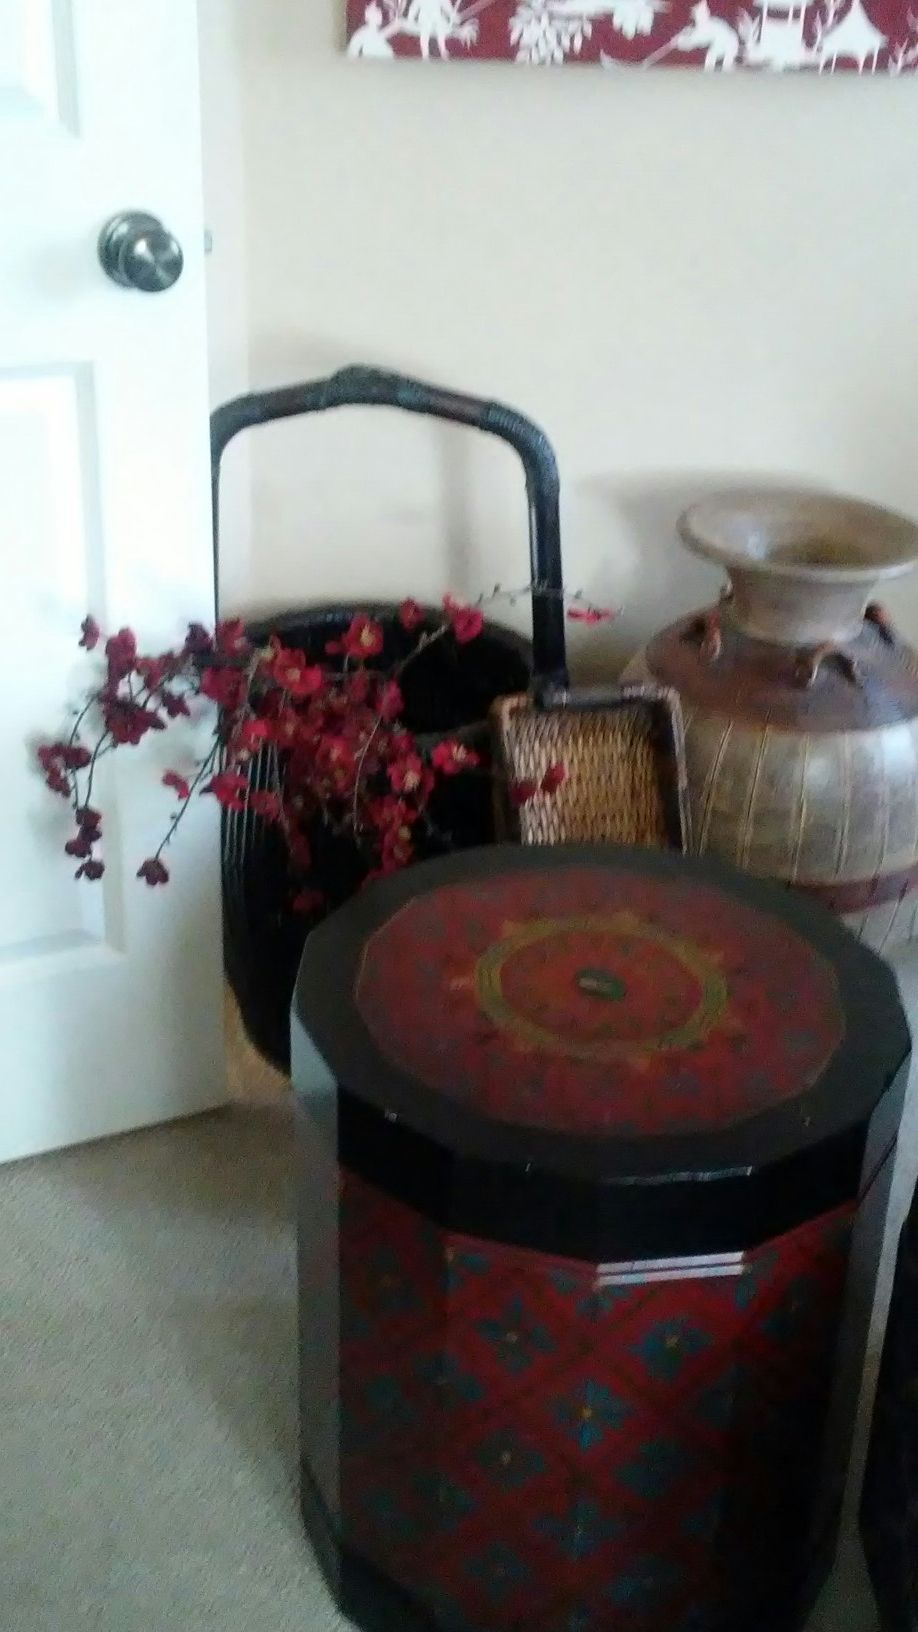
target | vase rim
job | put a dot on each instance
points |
(801, 533)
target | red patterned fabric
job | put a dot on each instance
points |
(596, 1000)
(523, 1440)
(825, 36)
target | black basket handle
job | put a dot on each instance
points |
(361, 387)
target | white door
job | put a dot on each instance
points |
(110, 1011)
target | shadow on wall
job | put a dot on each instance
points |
(438, 525)
(438, 507)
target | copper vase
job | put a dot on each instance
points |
(801, 702)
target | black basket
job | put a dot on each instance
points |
(448, 692)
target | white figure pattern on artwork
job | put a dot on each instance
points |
(372, 38)
(790, 34)
(719, 42)
(430, 22)
(544, 31)
(852, 36)
(776, 35)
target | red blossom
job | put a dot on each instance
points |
(522, 792)
(152, 670)
(396, 849)
(89, 822)
(357, 689)
(129, 722)
(288, 729)
(174, 704)
(410, 615)
(180, 783)
(553, 779)
(198, 642)
(337, 755)
(250, 734)
(387, 813)
(58, 757)
(406, 775)
(588, 614)
(121, 651)
(232, 640)
(363, 639)
(225, 687)
(74, 757)
(291, 672)
(390, 701)
(451, 757)
(466, 622)
(266, 804)
(153, 871)
(228, 787)
(346, 759)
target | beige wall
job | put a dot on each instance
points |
(686, 279)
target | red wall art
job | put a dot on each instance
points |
(824, 36)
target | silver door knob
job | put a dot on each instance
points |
(138, 252)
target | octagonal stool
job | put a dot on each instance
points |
(593, 1144)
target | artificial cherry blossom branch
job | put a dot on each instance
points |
(336, 742)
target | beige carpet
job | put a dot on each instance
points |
(147, 1416)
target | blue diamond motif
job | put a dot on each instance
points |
(666, 1347)
(392, 1293)
(387, 1399)
(656, 1467)
(747, 1284)
(448, 1502)
(498, 1569)
(580, 1529)
(443, 1372)
(784, 1321)
(602, 1301)
(509, 1461)
(590, 1413)
(579, 1620)
(716, 1404)
(461, 1265)
(516, 1338)
(644, 1584)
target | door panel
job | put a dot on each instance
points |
(110, 994)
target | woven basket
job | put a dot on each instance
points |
(623, 754)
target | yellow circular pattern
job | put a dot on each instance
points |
(709, 1011)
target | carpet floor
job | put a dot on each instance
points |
(147, 1408)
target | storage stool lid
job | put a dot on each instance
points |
(591, 1049)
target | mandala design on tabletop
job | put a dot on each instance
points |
(823, 36)
(597, 1000)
